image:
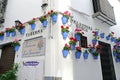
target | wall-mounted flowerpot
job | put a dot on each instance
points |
(77, 37)
(117, 59)
(44, 23)
(33, 26)
(114, 53)
(107, 38)
(13, 34)
(65, 53)
(54, 18)
(96, 33)
(94, 41)
(72, 47)
(64, 20)
(1, 38)
(7, 34)
(22, 31)
(85, 55)
(16, 48)
(65, 35)
(95, 57)
(77, 55)
(112, 39)
(102, 35)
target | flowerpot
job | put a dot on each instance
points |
(77, 55)
(112, 39)
(107, 38)
(54, 18)
(44, 23)
(94, 41)
(65, 35)
(117, 59)
(96, 33)
(33, 26)
(114, 53)
(77, 37)
(22, 31)
(95, 57)
(85, 55)
(13, 33)
(72, 47)
(64, 20)
(16, 47)
(1, 38)
(7, 34)
(102, 35)
(65, 53)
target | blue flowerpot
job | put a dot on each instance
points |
(107, 38)
(94, 41)
(95, 57)
(1, 38)
(117, 59)
(77, 37)
(22, 31)
(114, 53)
(112, 39)
(102, 35)
(16, 47)
(96, 33)
(13, 33)
(85, 55)
(33, 26)
(65, 53)
(65, 35)
(72, 47)
(64, 20)
(54, 18)
(77, 55)
(7, 34)
(44, 23)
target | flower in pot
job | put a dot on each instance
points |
(85, 54)
(21, 28)
(65, 17)
(72, 43)
(12, 31)
(78, 52)
(64, 31)
(65, 50)
(7, 32)
(32, 23)
(43, 20)
(53, 15)
(16, 44)
(95, 55)
(78, 34)
(1, 35)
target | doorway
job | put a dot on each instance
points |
(7, 58)
(107, 65)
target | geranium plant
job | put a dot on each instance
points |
(78, 48)
(12, 29)
(64, 29)
(20, 26)
(51, 13)
(2, 33)
(7, 29)
(15, 43)
(66, 47)
(79, 32)
(43, 18)
(72, 41)
(66, 14)
(32, 21)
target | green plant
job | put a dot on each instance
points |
(15, 43)
(43, 18)
(12, 29)
(66, 14)
(85, 51)
(64, 29)
(11, 74)
(52, 13)
(79, 32)
(95, 53)
(20, 26)
(32, 21)
(66, 47)
(2, 33)
(78, 48)
(72, 41)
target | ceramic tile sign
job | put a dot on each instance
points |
(30, 63)
(33, 47)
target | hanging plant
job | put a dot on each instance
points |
(53, 15)
(64, 31)
(15, 44)
(32, 23)
(65, 17)
(43, 20)
(72, 43)
(78, 34)
(96, 37)
(65, 50)
(21, 28)
(7, 30)
(12, 31)
(1, 35)
(78, 52)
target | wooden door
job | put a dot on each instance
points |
(7, 58)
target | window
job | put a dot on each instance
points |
(83, 42)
